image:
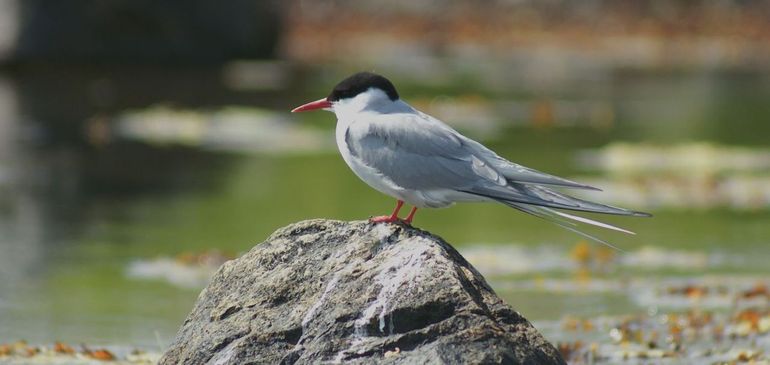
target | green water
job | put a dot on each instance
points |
(66, 254)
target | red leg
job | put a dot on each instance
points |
(389, 218)
(409, 218)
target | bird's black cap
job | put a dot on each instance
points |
(361, 82)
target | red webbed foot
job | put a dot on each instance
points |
(384, 219)
(393, 217)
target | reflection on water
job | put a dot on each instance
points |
(93, 182)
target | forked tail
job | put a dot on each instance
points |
(543, 203)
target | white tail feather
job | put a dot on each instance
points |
(551, 216)
(590, 221)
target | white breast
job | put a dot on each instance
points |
(369, 175)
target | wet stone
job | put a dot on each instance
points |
(324, 291)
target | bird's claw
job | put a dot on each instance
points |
(389, 219)
(385, 219)
(393, 217)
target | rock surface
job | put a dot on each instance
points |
(324, 291)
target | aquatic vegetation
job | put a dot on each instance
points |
(687, 175)
(187, 270)
(693, 336)
(21, 352)
(512, 259)
(669, 311)
(685, 159)
(736, 333)
(232, 129)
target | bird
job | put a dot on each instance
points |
(418, 159)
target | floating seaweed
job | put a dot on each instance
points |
(21, 352)
(187, 270)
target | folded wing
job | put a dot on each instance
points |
(419, 152)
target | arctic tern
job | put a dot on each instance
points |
(417, 159)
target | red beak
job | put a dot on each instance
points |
(314, 105)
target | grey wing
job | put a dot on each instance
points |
(424, 152)
(416, 153)
(419, 152)
(522, 174)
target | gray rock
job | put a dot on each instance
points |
(324, 291)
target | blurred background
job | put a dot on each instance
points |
(142, 143)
